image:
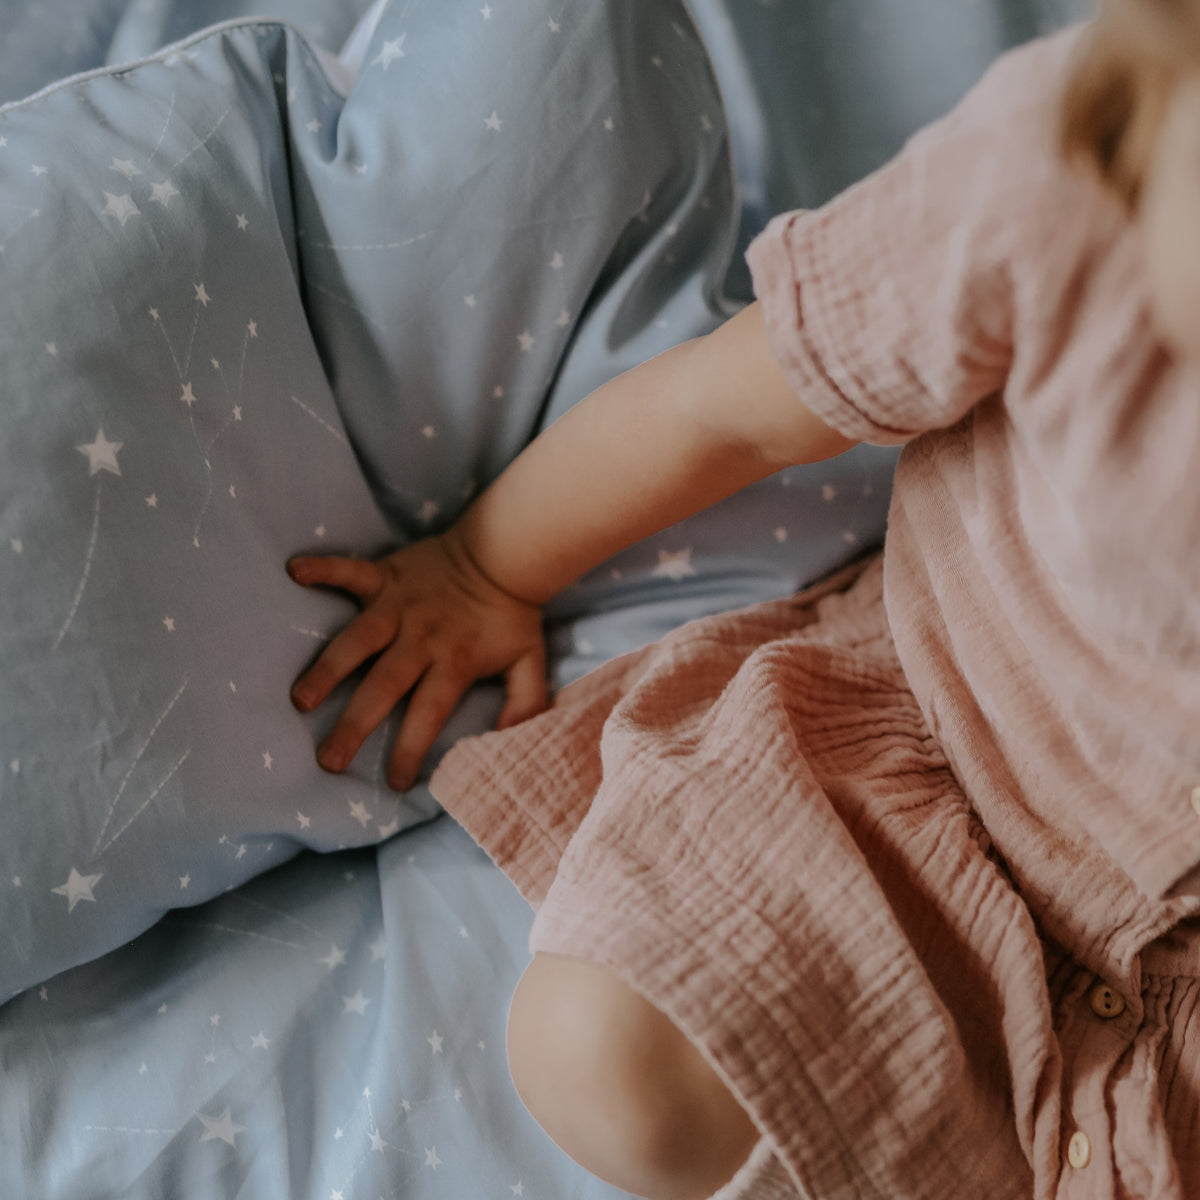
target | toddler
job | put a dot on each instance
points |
(891, 889)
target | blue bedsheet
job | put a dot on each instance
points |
(334, 1028)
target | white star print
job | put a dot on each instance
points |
(51, 348)
(563, 319)
(390, 51)
(337, 1134)
(188, 397)
(608, 124)
(335, 958)
(429, 510)
(556, 263)
(429, 432)
(517, 1189)
(526, 339)
(201, 294)
(781, 534)
(378, 948)
(828, 492)
(334, 1194)
(259, 1041)
(555, 27)
(358, 811)
(237, 412)
(313, 126)
(143, 1069)
(220, 1127)
(486, 12)
(252, 329)
(435, 1040)
(125, 166)
(160, 193)
(674, 565)
(393, 826)
(169, 622)
(243, 224)
(102, 454)
(320, 531)
(356, 1003)
(184, 880)
(493, 122)
(377, 1142)
(17, 545)
(215, 1020)
(469, 301)
(305, 822)
(431, 1157)
(122, 207)
(268, 761)
(78, 887)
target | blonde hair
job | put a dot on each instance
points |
(1125, 72)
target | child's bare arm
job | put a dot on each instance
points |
(653, 446)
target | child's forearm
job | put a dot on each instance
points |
(651, 447)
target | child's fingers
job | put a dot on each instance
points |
(389, 679)
(367, 634)
(431, 704)
(355, 575)
(525, 682)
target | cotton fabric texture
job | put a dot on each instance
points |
(911, 857)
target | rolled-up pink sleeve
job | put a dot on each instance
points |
(890, 309)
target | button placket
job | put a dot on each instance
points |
(1093, 1041)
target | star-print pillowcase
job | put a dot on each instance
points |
(167, 439)
(195, 388)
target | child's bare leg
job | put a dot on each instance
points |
(613, 1081)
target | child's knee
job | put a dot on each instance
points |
(618, 1086)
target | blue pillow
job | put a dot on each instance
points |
(198, 384)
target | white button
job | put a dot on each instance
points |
(1079, 1150)
(1105, 1002)
(1195, 798)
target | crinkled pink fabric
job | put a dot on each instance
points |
(912, 858)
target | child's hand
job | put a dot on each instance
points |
(437, 624)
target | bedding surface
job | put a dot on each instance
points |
(334, 1028)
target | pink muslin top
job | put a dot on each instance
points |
(985, 304)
